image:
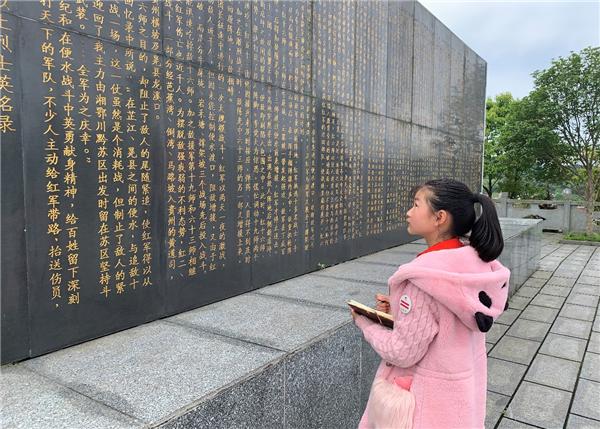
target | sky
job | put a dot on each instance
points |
(517, 37)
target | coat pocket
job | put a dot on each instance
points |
(390, 406)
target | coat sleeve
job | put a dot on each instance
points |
(408, 342)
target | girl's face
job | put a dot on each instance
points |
(420, 218)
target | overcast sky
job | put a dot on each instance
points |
(518, 37)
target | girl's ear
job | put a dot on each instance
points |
(441, 217)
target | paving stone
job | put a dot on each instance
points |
(594, 344)
(554, 372)
(488, 347)
(513, 424)
(567, 272)
(586, 289)
(529, 329)
(578, 312)
(548, 301)
(587, 398)
(534, 282)
(539, 314)
(515, 349)
(527, 291)
(539, 405)
(542, 274)
(589, 280)
(561, 281)
(518, 302)
(495, 404)
(504, 376)
(571, 327)
(581, 299)
(496, 331)
(578, 422)
(591, 367)
(555, 290)
(564, 347)
(508, 316)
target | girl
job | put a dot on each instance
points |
(433, 372)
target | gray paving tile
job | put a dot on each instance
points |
(539, 405)
(488, 347)
(513, 424)
(495, 404)
(564, 347)
(527, 291)
(515, 349)
(529, 329)
(539, 314)
(495, 332)
(504, 376)
(581, 299)
(579, 312)
(508, 316)
(567, 273)
(553, 372)
(518, 302)
(31, 401)
(594, 344)
(548, 301)
(587, 398)
(555, 290)
(542, 274)
(589, 280)
(586, 289)
(561, 281)
(577, 422)
(534, 282)
(571, 327)
(591, 367)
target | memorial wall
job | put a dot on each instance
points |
(158, 156)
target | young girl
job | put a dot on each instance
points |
(433, 372)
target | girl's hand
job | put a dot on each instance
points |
(353, 313)
(383, 303)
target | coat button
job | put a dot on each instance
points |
(388, 364)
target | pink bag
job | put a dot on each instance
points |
(391, 405)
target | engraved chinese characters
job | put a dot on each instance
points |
(164, 155)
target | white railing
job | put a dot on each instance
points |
(559, 215)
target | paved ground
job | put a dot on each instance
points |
(544, 351)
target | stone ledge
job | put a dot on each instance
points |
(279, 356)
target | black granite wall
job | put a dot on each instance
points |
(158, 156)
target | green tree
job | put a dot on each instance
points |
(532, 151)
(567, 97)
(494, 171)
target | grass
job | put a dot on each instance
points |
(582, 236)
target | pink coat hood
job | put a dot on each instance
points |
(474, 290)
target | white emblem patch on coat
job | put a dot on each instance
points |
(405, 304)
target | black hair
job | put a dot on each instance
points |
(456, 198)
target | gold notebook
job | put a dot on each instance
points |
(380, 317)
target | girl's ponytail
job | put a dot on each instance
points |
(486, 234)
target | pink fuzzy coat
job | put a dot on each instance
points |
(454, 297)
